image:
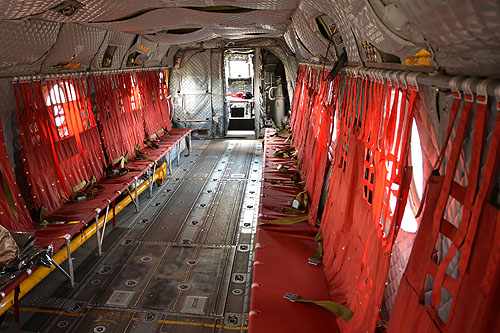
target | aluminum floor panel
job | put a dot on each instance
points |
(182, 264)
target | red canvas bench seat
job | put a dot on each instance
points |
(281, 266)
(281, 262)
(61, 147)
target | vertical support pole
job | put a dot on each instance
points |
(104, 224)
(136, 196)
(98, 232)
(70, 261)
(210, 93)
(151, 180)
(178, 152)
(170, 162)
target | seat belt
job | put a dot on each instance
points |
(336, 308)
(287, 220)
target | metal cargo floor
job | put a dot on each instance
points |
(182, 264)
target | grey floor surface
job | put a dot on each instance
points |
(181, 264)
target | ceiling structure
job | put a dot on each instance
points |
(47, 36)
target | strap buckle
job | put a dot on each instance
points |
(314, 261)
(290, 296)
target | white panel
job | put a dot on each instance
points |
(27, 43)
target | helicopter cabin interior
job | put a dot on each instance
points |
(249, 166)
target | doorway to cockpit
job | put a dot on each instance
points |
(239, 88)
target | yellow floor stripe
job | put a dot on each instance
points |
(64, 313)
(187, 323)
(168, 322)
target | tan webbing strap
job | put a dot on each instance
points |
(336, 308)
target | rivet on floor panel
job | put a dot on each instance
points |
(192, 262)
(243, 247)
(185, 241)
(74, 308)
(232, 319)
(63, 324)
(184, 286)
(95, 282)
(209, 191)
(149, 317)
(237, 292)
(193, 223)
(239, 278)
(146, 259)
(104, 269)
(131, 283)
(99, 329)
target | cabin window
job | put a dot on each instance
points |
(163, 85)
(56, 99)
(409, 222)
(239, 69)
(135, 98)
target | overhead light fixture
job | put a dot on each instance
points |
(68, 8)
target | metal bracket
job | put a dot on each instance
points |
(394, 78)
(497, 96)
(71, 273)
(482, 92)
(454, 86)
(136, 200)
(412, 80)
(467, 89)
(402, 79)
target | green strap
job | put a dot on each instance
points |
(318, 254)
(285, 152)
(304, 198)
(291, 210)
(8, 194)
(78, 187)
(141, 155)
(287, 220)
(287, 182)
(121, 161)
(88, 191)
(336, 308)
